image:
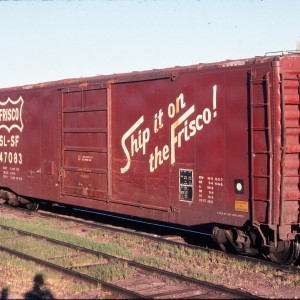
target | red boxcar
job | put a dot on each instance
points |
(209, 143)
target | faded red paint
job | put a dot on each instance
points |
(189, 145)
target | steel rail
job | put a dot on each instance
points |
(249, 259)
(200, 283)
(88, 279)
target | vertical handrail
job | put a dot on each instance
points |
(270, 147)
(283, 143)
(251, 147)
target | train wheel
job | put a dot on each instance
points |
(288, 255)
(32, 206)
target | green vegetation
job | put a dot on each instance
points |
(17, 278)
(108, 272)
(151, 261)
(47, 230)
(202, 265)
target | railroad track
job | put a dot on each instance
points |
(173, 240)
(141, 281)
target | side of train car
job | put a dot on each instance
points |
(204, 144)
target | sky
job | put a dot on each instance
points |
(42, 41)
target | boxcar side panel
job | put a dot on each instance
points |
(170, 146)
(29, 144)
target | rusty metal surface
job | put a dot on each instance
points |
(290, 93)
(187, 144)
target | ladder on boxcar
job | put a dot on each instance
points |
(261, 150)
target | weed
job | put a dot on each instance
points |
(108, 272)
(151, 261)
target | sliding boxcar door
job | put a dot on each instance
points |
(84, 143)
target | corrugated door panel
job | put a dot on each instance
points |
(84, 143)
(290, 165)
(84, 120)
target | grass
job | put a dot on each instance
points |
(108, 272)
(194, 263)
(151, 261)
(34, 227)
(17, 278)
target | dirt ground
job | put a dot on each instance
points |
(18, 280)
